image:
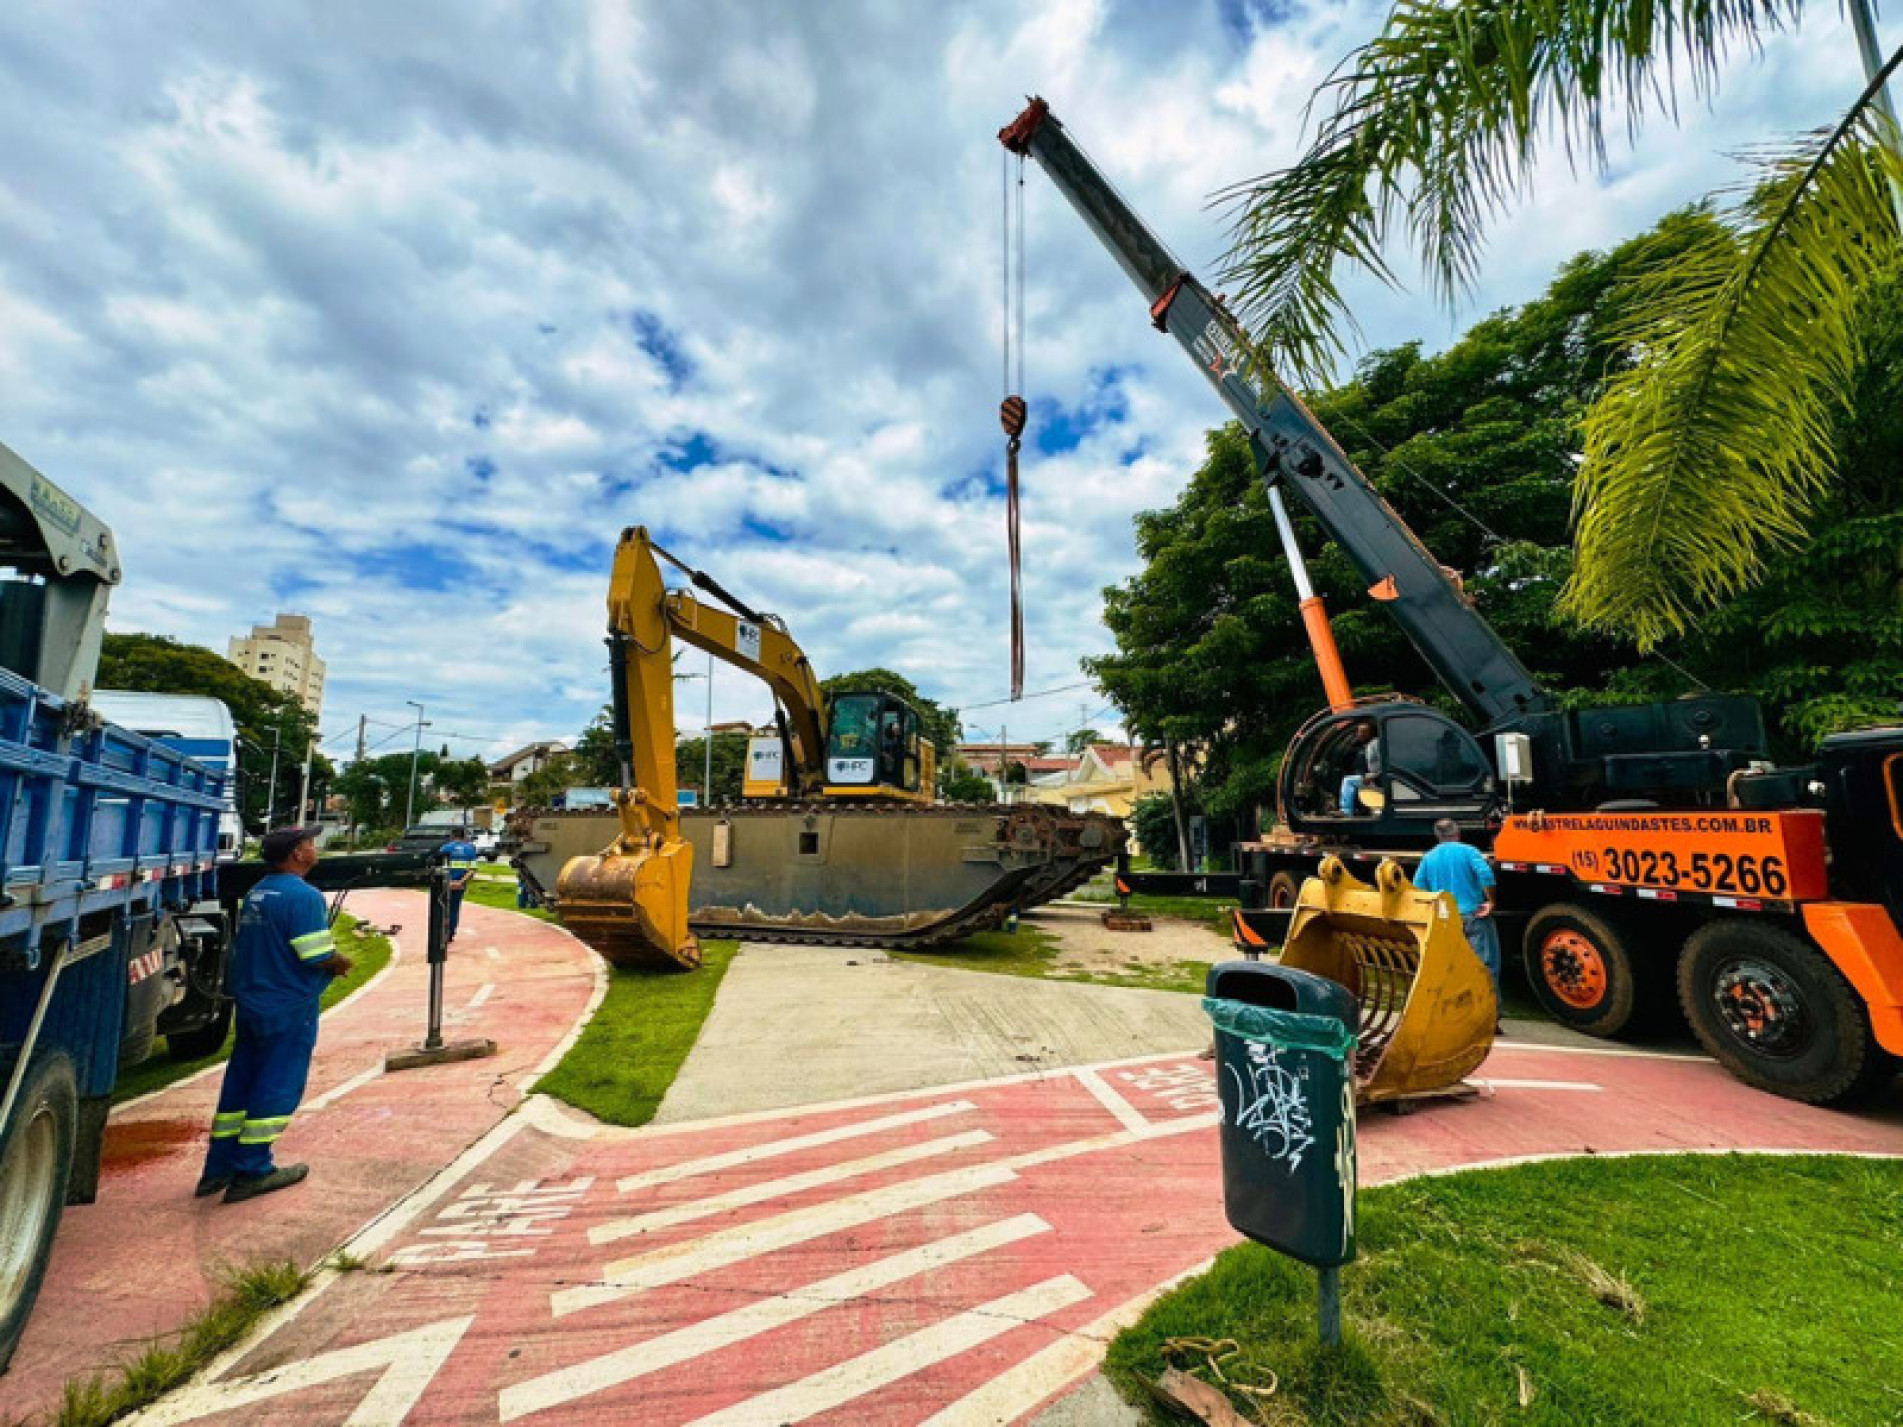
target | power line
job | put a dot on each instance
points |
(1040, 694)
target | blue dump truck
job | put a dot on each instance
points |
(116, 911)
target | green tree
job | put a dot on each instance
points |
(1709, 457)
(964, 784)
(937, 722)
(155, 664)
(1080, 740)
(595, 751)
(730, 765)
(560, 773)
(461, 782)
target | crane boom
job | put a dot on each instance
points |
(1293, 450)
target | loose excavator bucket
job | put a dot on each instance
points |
(1427, 1008)
(630, 903)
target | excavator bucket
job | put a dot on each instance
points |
(630, 904)
(1427, 1008)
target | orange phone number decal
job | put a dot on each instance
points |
(1775, 855)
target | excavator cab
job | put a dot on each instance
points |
(1387, 772)
(873, 748)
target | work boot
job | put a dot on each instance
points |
(250, 1186)
(211, 1184)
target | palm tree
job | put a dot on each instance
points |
(1705, 456)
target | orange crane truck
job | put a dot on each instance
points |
(1640, 850)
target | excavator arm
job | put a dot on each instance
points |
(630, 901)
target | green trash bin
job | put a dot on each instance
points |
(1285, 1043)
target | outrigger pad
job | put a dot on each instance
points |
(1426, 1004)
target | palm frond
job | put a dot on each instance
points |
(1706, 456)
(1434, 123)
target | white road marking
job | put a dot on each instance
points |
(409, 1361)
(781, 1188)
(1538, 1084)
(694, 1257)
(726, 1247)
(885, 1365)
(1621, 1052)
(336, 1093)
(492, 953)
(711, 1164)
(557, 1389)
(483, 993)
(1044, 1374)
(1127, 1114)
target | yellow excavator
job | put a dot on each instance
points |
(836, 839)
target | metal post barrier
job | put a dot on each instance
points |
(434, 1050)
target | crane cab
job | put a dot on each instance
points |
(1382, 774)
(874, 749)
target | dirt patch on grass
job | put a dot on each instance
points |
(1086, 947)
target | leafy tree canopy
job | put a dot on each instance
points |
(155, 664)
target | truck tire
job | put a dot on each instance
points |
(36, 1161)
(1580, 966)
(1772, 1010)
(1284, 888)
(207, 1038)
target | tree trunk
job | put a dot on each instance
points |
(1175, 758)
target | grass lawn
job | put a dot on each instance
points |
(1681, 1289)
(370, 955)
(630, 1052)
(1029, 951)
(501, 895)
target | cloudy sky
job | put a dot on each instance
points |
(394, 314)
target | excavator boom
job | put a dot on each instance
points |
(630, 901)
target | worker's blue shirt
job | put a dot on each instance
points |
(283, 938)
(1455, 867)
(462, 858)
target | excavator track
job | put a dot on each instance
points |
(909, 877)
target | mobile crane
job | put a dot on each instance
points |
(1657, 844)
(837, 838)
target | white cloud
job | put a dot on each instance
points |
(343, 310)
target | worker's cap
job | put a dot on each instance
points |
(281, 842)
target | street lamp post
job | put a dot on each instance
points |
(271, 794)
(707, 779)
(409, 807)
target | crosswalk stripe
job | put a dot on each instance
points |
(718, 1250)
(610, 1370)
(772, 1149)
(614, 1229)
(855, 1377)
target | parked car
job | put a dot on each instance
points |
(430, 836)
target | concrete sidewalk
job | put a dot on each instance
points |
(147, 1255)
(795, 1025)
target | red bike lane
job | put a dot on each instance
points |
(953, 1256)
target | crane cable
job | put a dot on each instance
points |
(1012, 414)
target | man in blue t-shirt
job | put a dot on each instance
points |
(1455, 867)
(283, 960)
(461, 858)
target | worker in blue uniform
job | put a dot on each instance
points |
(283, 960)
(1456, 867)
(461, 858)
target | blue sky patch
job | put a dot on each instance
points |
(415, 566)
(697, 450)
(654, 338)
(1056, 428)
(481, 467)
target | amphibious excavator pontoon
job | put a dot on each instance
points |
(837, 840)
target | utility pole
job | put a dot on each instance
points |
(707, 779)
(271, 794)
(1004, 762)
(363, 725)
(304, 785)
(409, 808)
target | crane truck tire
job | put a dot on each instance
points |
(1771, 1009)
(1580, 966)
(36, 1160)
(1284, 888)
